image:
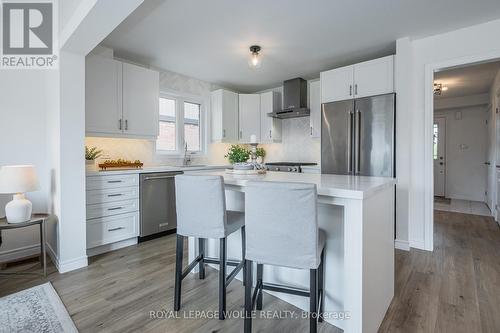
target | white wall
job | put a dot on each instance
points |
(466, 152)
(460, 46)
(23, 106)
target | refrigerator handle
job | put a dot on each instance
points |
(350, 138)
(357, 135)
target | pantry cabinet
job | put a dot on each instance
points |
(224, 116)
(270, 128)
(369, 78)
(121, 100)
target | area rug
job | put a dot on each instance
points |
(38, 309)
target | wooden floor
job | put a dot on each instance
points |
(454, 289)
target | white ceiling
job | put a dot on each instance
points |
(466, 81)
(209, 40)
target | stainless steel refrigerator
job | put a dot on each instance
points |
(357, 136)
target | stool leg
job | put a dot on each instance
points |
(222, 279)
(260, 269)
(201, 265)
(313, 301)
(248, 297)
(243, 249)
(321, 286)
(178, 272)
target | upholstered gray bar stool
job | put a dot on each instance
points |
(282, 230)
(201, 213)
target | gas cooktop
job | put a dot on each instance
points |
(287, 166)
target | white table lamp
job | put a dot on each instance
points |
(18, 179)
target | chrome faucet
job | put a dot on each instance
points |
(187, 156)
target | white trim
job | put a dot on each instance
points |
(19, 253)
(52, 254)
(402, 245)
(428, 243)
(72, 264)
(111, 247)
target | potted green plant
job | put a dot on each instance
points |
(260, 153)
(91, 154)
(238, 157)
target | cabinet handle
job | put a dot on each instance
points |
(115, 229)
(120, 124)
(115, 208)
(356, 89)
(350, 90)
(311, 128)
(270, 134)
(114, 181)
(223, 133)
(114, 195)
(126, 124)
(161, 225)
(241, 134)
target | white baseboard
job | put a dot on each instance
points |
(53, 255)
(19, 253)
(111, 247)
(418, 245)
(71, 265)
(402, 245)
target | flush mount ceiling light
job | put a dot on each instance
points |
(255, 60)
(439, 88)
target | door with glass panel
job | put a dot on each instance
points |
(439, 156)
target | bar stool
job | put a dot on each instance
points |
(282, 230)
(201, 213)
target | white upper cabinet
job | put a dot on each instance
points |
(103, 96)
(249, 117)
(337, 84)
(141, 88)
(121, 100)
(270, 128)
(370, 78)
(315, 107)
(375, 77)
(224, 115)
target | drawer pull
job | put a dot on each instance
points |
(114, 181)
(115, 195)
(115, 208)
(116, 229)
(161, 225)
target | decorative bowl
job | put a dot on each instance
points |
(243, 166)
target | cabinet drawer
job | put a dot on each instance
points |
(112, 229)
(113, 181)
(112, 208)
(112, 195)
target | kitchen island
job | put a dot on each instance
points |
(357, 214)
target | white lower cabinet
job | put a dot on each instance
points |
(112, 209)
(112, 229)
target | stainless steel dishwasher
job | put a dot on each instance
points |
(157, 204)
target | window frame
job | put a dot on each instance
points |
(180, 99)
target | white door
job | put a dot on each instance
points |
(490, 163)
(374, 77)
(249, 117)
(439, 155)
(337, 84)
(103, 95)
(315, 107)
(141, 89)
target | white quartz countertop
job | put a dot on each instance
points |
(342, 186)
(163, 168)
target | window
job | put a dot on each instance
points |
(435, 142)
(181, 125)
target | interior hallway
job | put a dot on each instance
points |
(461, 206)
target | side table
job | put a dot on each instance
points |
(39, 219)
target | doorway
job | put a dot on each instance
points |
(464, 138)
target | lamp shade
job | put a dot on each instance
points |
(18, 179)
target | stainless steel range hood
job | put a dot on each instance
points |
(294, 100)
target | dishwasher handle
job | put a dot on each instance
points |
(168, 176)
